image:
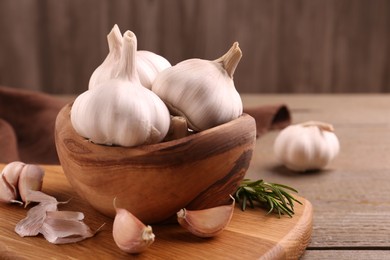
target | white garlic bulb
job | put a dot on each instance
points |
(148, 65)
(307, 146)
(202, 91)
(120, 111)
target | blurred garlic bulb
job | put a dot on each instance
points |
(120, 111)
(202, 91)
(148, 64)
(307, 146)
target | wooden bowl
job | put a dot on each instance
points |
(155, 181)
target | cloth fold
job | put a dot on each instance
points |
(27, 120)
(30, 116)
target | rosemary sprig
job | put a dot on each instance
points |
(273, 196)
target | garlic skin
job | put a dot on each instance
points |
(206, 222)
(148, 65)
(120, 111)
(202, 91)
(307, 146)
(129, 233)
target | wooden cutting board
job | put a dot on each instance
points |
(250, 235)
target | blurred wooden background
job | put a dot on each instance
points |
(295, 46)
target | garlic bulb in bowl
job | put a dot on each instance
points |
(148, 65)
(202, 91)
(306, 146)
(120, 111)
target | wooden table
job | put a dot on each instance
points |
(351, 198)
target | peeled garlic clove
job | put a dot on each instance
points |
(206, 222)
(149, 65)
(202, 91)
(130, 234)
(30, 179)
(9, 181)
(307, 146)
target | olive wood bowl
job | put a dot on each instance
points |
(155, 181)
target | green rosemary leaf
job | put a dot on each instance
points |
(272, 196)
(284, 187)
(243, 205)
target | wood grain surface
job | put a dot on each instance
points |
(288, 46)
(351, 197)
(250, 234)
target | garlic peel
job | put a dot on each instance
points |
(58, 227)
(207, 222)
(307, 146)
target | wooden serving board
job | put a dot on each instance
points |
(250, 235)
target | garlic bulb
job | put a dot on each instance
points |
(120, 111)
(202, 91)
(206, 222)
(307, 146)
(129, 233)
(148, 64)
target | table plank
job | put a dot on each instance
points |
(250, 234)
(351, 197)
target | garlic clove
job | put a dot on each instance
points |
(202, 91)
(7, 192)
(9, 182)
(206, 222)
(307, 146)
(130, 234)
(177, 129)
(31, 178)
